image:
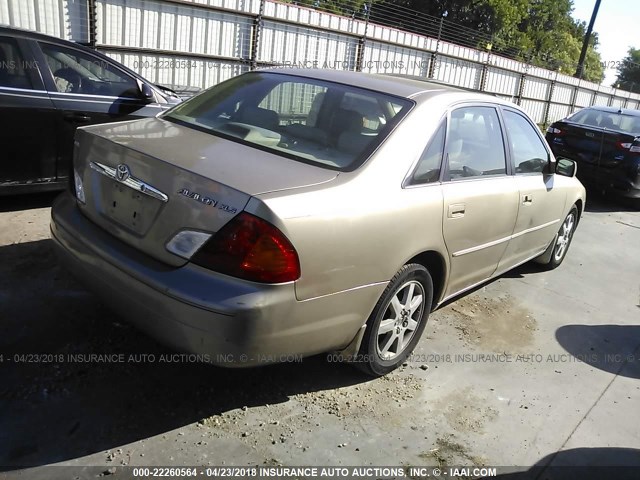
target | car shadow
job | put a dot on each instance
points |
(17, 203)
(58, 403)
(599, 203)
(582, 464)
(612, 348)
(523, 270)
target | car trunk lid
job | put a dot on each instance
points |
(578, 142)
(147, 180)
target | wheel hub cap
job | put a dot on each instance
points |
(400, 320)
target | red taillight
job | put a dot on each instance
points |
(623, 145)
(250, 248)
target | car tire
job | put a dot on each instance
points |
(563, 239)
(397, 321)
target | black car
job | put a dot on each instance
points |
(48, 87)
(605, 142)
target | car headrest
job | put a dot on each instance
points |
(346, 121)
(353, 143)
(259, 117)
(607, 122)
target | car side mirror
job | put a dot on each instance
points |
(549, 167)
(146, 92)
(566, 167)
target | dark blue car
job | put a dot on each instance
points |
(605, 142)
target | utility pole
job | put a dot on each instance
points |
(587, 38)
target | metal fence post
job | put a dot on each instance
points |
(574, 96)
(363, 39)
(91, 23)
(523, 79)
(483, 74)
(547, 107)
(255, 38)
(434, 55)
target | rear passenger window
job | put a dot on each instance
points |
(13, 67)
(475, 147)
(529, 153)
(428, 167)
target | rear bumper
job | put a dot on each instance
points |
(228, 321)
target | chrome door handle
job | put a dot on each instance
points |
(77, 117)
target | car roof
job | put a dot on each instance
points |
(624, 111)
(22, 32)
(417, 88)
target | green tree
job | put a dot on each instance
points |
(629, 71)
(541, 32)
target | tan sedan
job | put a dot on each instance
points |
(290, 212)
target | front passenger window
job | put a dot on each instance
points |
(475, 147)
(529, 153)
(75, 71)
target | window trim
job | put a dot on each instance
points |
(550, 157)
(509, 171)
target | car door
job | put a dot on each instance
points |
(542, 202)
(480, 196)
(27, 118)
(87, 89)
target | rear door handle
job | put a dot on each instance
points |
(77, 117)
(456, 210)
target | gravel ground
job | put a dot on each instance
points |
(457, 401)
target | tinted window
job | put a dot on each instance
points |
(428, 168)
(313, 121)
(529, 153)
(80, 72)
(630, 124)
(475, 146)
(609, 120)
(13, 67)
(587, 117)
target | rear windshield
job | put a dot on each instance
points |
(331, 125)
(609, 120)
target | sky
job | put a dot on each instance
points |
(617, 27)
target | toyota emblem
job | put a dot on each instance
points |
(122, 172)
